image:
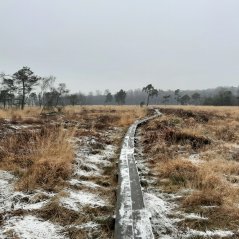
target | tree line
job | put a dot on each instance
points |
(24, 87)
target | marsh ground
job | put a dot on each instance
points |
(58, 172)
(190, 171)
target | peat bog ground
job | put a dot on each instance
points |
(188, 161)
(58, 173)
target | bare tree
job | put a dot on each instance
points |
(61, 91)
(46, 83)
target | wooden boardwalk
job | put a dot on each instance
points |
(132, 220)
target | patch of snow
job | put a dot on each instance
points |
(98, 159)
(32, 206)
(89, 166)
(4, 175)
(195, 216)
(17, 127)
(20, 200)
(88, 225)
(94, 163)
(231, 145)
(109, 150)
(195, 159)
(76, 200)
(160, 211)
(81, 172)
(32, 227)
(143, 227)
(209, 207)
(217, 233)
(89, 184)
(162, 208)
(11, 200)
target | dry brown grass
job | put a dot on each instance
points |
(219, 217)
(204, 197)
(18, 113)
(117, 115)
(178, 171)
(103, 116)
(41, 155)
(40, 159)
(213, 180)
(224, 111)
(44, 158)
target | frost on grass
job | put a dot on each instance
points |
(195, 159)
(160, 210)
(30, 227)
(209, 234)
(90, 175)
(12, 200)
(88, 164)
(194, 216)
(87, 184)
(165, 226)
(76, 200)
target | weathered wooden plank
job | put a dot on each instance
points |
(132, 220)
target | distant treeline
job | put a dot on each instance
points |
(25, 88)
(221, 96)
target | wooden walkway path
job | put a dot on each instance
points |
(132, 220)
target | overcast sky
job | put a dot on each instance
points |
(107, 44)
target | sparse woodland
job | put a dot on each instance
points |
(24, 87)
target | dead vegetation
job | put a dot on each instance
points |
(212, 178)
(42, 151)
(39, 158)
(44, 157)
(198, 116)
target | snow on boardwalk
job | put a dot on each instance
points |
(132, 219)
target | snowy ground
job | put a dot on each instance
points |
(30, 227)
(88, 188)
(24, 226)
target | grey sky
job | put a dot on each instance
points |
(99, 44)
